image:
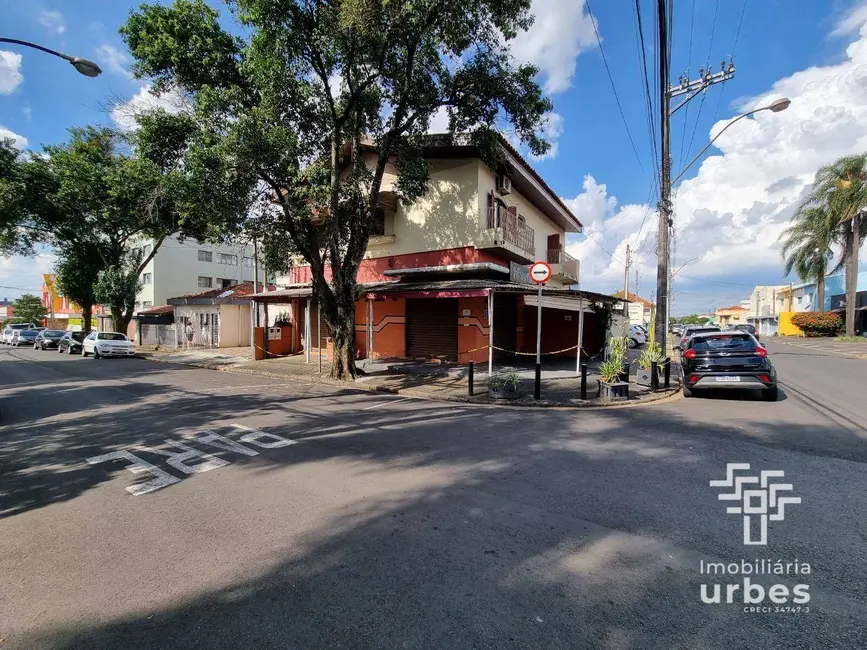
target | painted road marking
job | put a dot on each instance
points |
(380, 404)
(190, 460)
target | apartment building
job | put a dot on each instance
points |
(185, 267)
(447, 276)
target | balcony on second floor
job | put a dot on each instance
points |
(507, 233)
(564, 267)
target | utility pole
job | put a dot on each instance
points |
(690, 88)
(626, 288)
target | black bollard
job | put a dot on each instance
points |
(624, 372)
(667, 372)
(583, 381)
(470, 379)
(537, 393)
(654, 376)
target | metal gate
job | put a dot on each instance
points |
(199, 329)
(432, 328)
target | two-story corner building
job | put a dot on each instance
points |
(733, 315)
(62, 312)
(186, 267)
(640, 309)
(442, 272)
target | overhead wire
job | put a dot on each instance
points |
(613, 86)
(686, 109)
(704, 92)
(732, 56)
(648, 97)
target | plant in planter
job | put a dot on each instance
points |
(651, 354)
(282, 320)
(505, 386)
(610, 386)
(618, 347)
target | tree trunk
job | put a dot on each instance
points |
(820, 291)
(121, 320)
(852, 251)
(86, 317)
(343, 332)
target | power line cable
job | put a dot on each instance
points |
(648, 97)
(686, 110)
(704, 92)
(613, 87)
(732, 55)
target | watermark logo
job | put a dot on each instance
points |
(760, 501)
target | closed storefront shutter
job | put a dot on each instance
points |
(326, 331)
(432, 328)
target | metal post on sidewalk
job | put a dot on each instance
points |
(490, 333)
(319, 335)
(537, 392)
(584, 381)
(580, 335)
(654, 376)
(307, 337)
(667, 372)
(470, 378)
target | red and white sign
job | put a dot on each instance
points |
(540, 272)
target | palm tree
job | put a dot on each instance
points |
(842, 188)
(807, 246)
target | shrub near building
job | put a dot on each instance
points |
(818, 323)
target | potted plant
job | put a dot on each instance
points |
(505, 386)
(651, 354)
(611, 384)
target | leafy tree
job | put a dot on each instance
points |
(117, 287)
(29, 309)
(807, 245)
(841, 187)
(312, 105)
(77, 273)
(817, 323)
(94, 201)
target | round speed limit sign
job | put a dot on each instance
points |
(540, 272)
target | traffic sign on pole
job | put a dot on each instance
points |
(540, 272)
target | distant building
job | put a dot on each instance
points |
(63, 314)
(733, 315)
(187, 267)
(763, 308)
(7, 309)
(640, 309)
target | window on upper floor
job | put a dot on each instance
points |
(225, 283)
(147, 278)
(205, 282)
(227, 259)
(248, 262)
(206, 256)
(377, 226)
(147, 303)
(146, 250)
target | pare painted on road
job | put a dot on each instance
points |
(189, 460)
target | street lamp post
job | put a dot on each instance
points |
(84, 66)
(776, 106)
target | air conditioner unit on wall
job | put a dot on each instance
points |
(504, 184)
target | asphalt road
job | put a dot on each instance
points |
(344, 519)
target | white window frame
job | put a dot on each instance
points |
(147, 278)
(205, 256)
(227, 259)
(210, 282)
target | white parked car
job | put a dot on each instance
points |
(637, 336)
(6, 336)
(107, 344)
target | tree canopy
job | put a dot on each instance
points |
(29, 309)
(297, 121)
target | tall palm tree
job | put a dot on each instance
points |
(842, 187)
(807, 246)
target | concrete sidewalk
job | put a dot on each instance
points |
(560, 387)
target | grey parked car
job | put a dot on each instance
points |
(24, 337)
(47, 339)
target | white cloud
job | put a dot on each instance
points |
(552, 129)
(439, 122)
(732, 211)
(143, 101)
(561, 31)
(113, 59)
(6, 134)
(851, 22)
(10, 71)
(53, 20)
(24, 274)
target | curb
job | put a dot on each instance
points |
(655, 398)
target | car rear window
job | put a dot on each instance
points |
(111, 336)
(78, 336)
(53, 333)
(733, 342)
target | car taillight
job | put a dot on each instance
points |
(761, 352)
(765, 378)
(693, 379)
(689, 354)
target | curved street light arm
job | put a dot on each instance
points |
(15, 41)
(723, 130)
(84, 66)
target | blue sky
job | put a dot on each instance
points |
(793, 46)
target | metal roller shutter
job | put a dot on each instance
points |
(432, 328)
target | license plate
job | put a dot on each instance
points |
(724, 379)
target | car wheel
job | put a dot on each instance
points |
(771, 394)
(83, 352)
(687, 392)
(633, 343)
(95, 354)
